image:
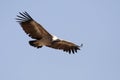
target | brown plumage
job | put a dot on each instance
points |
(43, 38)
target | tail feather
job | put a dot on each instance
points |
(34, 43)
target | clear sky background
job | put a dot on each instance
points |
(95, 23)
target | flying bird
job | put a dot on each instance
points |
(43, 37)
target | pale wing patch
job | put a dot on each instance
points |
(54, 37)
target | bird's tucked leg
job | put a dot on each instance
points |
(35, 43)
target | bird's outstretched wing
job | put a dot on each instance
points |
(65, 46)
(30, 26)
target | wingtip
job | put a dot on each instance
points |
(24, 16)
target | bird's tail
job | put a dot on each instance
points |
(35, 44)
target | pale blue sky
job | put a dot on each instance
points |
(95, 23)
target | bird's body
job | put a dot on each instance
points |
(42, 37)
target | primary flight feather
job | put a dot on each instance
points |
(43, 37)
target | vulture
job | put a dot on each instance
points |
(42, 37)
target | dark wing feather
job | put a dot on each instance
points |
(65, 46)
(31, 27)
